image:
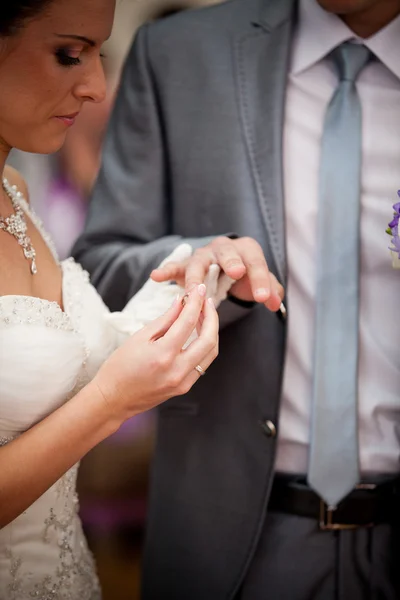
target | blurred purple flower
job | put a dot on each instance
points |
(396, 245)
(395, 221)
(393, 228)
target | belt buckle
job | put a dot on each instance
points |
(326, 521)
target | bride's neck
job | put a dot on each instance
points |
(4, 153)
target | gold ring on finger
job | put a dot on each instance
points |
(184, 299)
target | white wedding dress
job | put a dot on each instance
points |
(46, 355)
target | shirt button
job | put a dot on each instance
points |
(269, 428)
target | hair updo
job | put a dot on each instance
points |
(14, 13)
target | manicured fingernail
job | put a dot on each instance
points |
(202, 289)
(211, 302)
(262, 292)
(176, 300)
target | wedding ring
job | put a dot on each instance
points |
(184, 299)
(200, 370)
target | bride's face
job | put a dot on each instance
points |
(48, 69)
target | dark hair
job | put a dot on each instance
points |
(14, 13)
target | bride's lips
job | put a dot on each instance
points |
(68, 119)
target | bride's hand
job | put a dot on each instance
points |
(151, 366)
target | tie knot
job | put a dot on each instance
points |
(350, 59)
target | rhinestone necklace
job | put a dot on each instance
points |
(16, 225)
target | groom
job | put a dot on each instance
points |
(276, 125)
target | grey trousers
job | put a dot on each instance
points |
(296, 561)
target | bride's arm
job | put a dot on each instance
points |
(31, 463)
(147, 370)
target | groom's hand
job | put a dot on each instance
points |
(241, 259)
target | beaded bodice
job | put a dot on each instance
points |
(46, 355)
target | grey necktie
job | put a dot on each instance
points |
(334, 467)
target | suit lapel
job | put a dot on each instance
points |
(262, 56)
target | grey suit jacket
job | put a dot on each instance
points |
(193, 150)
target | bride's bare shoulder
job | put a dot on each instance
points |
(15, 178)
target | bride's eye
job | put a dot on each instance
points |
(65, 58)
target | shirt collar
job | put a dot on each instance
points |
(319, 32)
(386, 46)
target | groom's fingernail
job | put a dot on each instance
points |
(202, 289)
(262, 292)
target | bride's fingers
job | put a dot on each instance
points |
(193, 376)
(158, 328)
(201, 319)
(182, 328)
(205, 347)
(200, 323)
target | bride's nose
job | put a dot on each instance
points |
(92, 85)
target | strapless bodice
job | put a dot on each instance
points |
(47, 354)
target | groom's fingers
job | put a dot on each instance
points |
(198, 267)
(277, 287)
(277, 294)
(229, 257)
(244, 256)
(237, 258)
(174, 271)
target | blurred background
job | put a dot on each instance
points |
(113, 480)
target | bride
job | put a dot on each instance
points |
(64, 385)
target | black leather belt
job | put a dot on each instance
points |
(367, 505)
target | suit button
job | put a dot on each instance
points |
(269, 428)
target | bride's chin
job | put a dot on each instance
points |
(44, 145)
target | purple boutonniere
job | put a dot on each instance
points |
(393, 231)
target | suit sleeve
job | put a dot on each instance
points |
(128, 230)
